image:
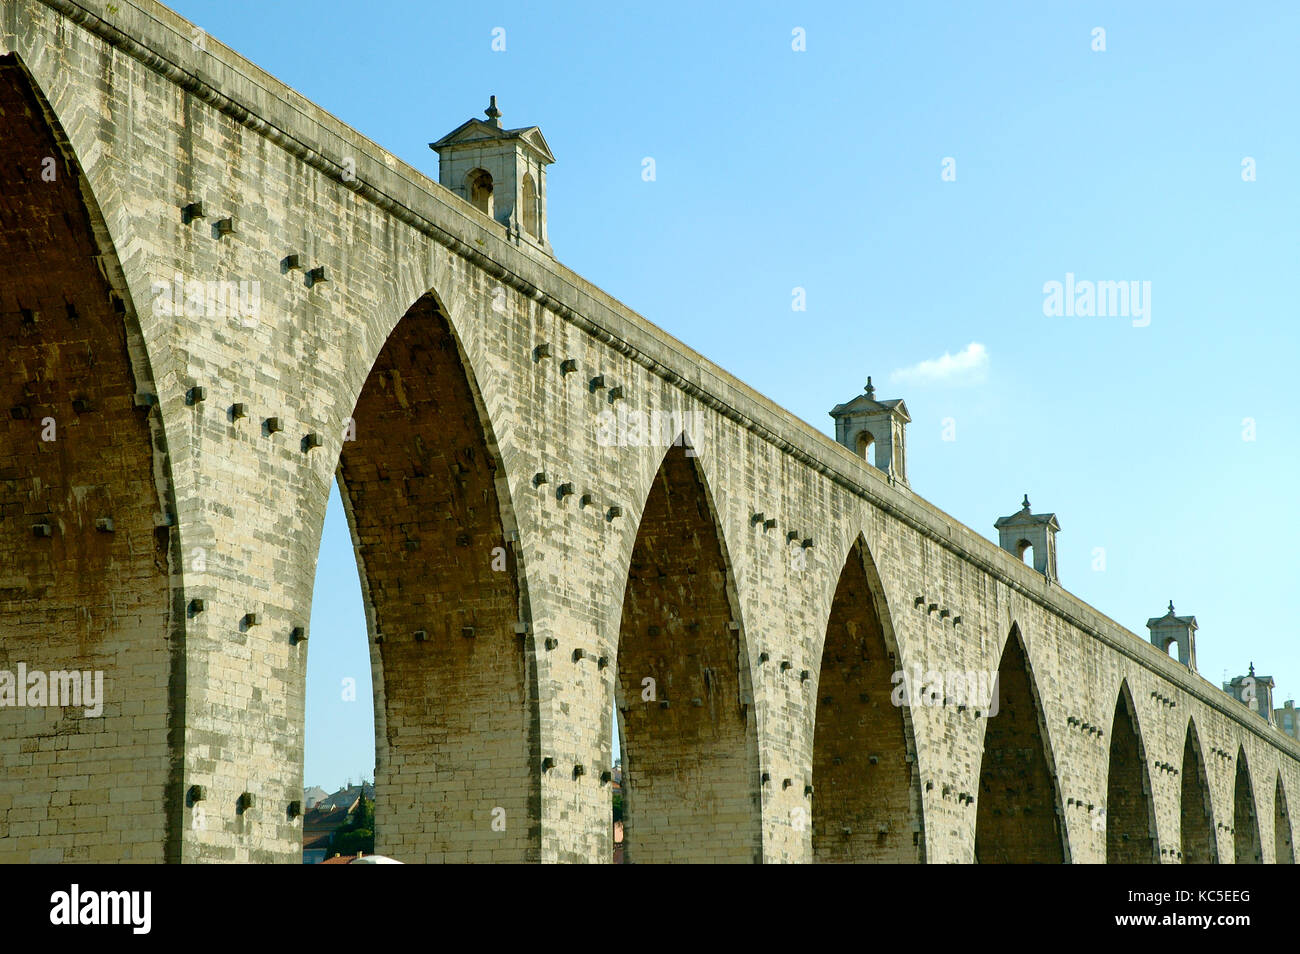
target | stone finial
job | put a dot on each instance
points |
(870, 390)
(1171, 608)
(1024, 504)
(493, 114)
(1252, 670)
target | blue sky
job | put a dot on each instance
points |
(821, 169)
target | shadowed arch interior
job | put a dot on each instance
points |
(1130, 814)
(1283, 836)
(690, 760)
(457, 734)
(1199, 846)
(866, 794)
(1246, 847)
(85, 571)
(1017, 820)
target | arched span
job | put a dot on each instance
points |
(1196, 812)
(426, 495)
(866, 787)
(685, 710)
(88, 559)
(1246, 846)
(1283, 833)
(1018, 816)
(1130, 813)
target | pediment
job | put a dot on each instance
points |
(475, 131)
(865, 405)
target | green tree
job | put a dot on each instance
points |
(357, 834)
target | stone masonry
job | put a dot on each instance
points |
(221, 298)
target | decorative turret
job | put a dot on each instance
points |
(1172, 628)
(864, 425)
(1256, 692)
(502, 172)
(1026, 530)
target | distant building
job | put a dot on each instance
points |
(311, 797)
(318, 828)
(1288, 719)
(348, 796)
(326, 816)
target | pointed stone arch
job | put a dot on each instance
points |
(1131, 834)
(1283, 834)
(867, 798)
(1196, 810)
(682, 695)
(1246, 846)
(428, 503)
(1018, 812)
(92, 565)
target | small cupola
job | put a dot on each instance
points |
(1170, 629)
(1025, 530)
(876, 431)
(1255, 692)
(501, 172)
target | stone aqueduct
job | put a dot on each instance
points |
(523, 574)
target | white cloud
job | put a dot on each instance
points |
(970, 365)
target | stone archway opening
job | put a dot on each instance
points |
(684, 708)
(866, 446)
(1283, 836)
(1196, 813)
(86, 545)
(339, 745)
(1246, 846)
(1130, 813)
(454, 681)
(1018, 811)
(866, 790)
(479, 185)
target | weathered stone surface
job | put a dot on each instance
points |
(454, 422)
